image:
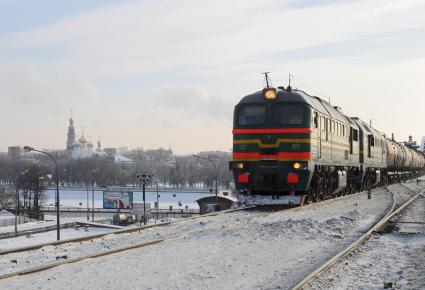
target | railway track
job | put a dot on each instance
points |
(162, 224)
(136, 243)
(379, 226)
(123, 231)
(100, 237)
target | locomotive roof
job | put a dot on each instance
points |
(298, 96)
(367, 128)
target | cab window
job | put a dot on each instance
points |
(252, 115)
(288, 114)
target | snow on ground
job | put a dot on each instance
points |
(4, 214)
(49, 220)
(403, 191)
(50, 236)
(224, 252)
(397, 257)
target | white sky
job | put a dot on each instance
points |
(154, 73)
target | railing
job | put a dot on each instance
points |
(107, 210)
(19, 220)
(81, 209)
(129, 188)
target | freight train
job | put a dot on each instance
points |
(292, 148)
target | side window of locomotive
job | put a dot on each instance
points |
(316, 120)
(355, 135)
(284, 114)
(252, 115)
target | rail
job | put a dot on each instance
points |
(141, 228)
(377, 227)
(123, 231)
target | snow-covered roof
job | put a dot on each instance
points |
(220, 196)
(122, 159)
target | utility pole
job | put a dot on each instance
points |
(88, 216)
(92, 204)
(94, 171)
(17, 206)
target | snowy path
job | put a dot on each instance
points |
(271, 251)
(397, 257)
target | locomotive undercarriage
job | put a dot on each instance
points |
(330, 181)
(325, 182)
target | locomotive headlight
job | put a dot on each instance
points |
(239, 165)
(300, 165)
(297, 165)
(269, 93)
(236, 165)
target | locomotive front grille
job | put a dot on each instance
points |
(266, 183)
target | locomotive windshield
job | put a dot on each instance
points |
(252, 115)
(288, 114)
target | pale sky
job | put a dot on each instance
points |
(153, 73)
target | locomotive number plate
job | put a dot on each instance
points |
(272, 164)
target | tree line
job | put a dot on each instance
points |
(169, 170)
(27, 178)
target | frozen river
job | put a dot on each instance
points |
(78, 198)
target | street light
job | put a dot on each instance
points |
(28, 149)
(94, 171)
(215, 169)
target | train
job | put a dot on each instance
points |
(293, 148)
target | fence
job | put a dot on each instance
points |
(174, 211)
(11, 221)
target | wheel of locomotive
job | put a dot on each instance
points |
(309, 196)
(313, 191)
(327, 188)
(318, 190)
(315, 187)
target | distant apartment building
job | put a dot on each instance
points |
(110, 151)
(411, 143)
(122, 149)
(14, 152)
(422, 145)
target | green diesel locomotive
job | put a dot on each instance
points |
(290, 148)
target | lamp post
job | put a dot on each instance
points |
(215, 169)
(88, 216)
(94, 171)
(17, 206)
(28, 148)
